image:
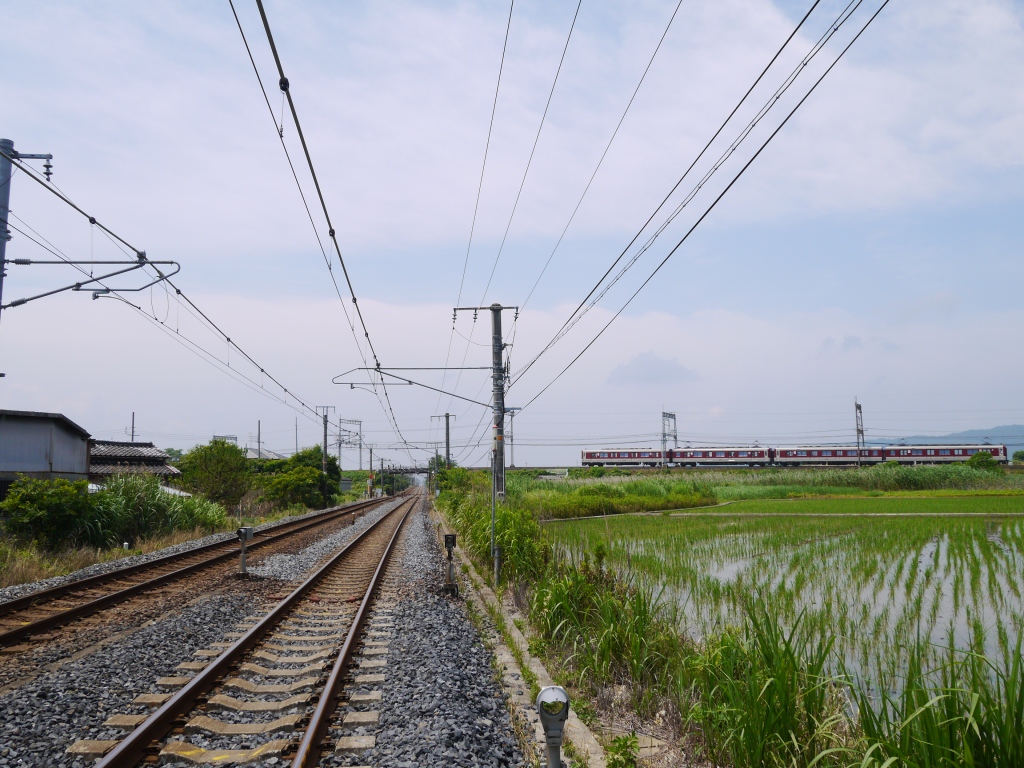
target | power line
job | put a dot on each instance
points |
(604, 154)
(713, 203)
(178, 292)
(671, 192)
(533, 150)
(476, 205)
(286, 89)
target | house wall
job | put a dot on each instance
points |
(41, 447)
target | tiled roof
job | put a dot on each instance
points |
(108, 449)
(163, 470)
(263, 453)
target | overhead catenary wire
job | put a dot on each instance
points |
(715, 202)
(307, 409)
(476, 208)
(671, 192)
(604, 154)
(286, 89)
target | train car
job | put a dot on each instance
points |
(827, 455)
(942, 454)
(632, 457)
(752, 456)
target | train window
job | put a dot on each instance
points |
(826, 453)
(931, 452)
(917, 452)
(720, 454)
(972, 451)
(944, 452)
(743, 454)
(645, 454)
(801, 453)
(604, 455)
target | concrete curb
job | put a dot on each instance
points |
(583, 739)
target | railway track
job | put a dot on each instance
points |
(275, 690)
(32, 616)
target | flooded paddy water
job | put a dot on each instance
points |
(876, 584)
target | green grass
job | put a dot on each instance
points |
(883, 505)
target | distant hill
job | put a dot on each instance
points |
(1010, 435)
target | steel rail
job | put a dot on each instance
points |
(316, 731)
(38, 599)
(134, 748)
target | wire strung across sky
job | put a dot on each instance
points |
(286, 89)
(304, 408)
(714, 202)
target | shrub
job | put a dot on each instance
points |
(219, 471)
(50, 512)
(983, 460)
(300, 485)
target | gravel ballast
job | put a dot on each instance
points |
(441, 702)
(17, 590)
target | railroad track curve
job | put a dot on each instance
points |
(32, 616)
(276, 687)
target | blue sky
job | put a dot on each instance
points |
(872, 250)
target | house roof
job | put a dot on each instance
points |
(163, 470)
(41, 415)
(263, 453)
(110, 449)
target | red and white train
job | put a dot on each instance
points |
(797, 456)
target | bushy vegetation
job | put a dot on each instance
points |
(57, 514)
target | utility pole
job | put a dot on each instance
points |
(7, 154)
(447, 438)
(133, 426)
(498, 377)
(668, 429)
(323, 456)
(859, 416)
(259, 439)
(512, 435)
(296, 434)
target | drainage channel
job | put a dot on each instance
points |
(274, 690)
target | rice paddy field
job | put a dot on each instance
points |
(877, 574)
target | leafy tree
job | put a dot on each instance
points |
(436, 463)
(175, 454)
(219, 471)
(1018, 456)
(983, 460)
(299, 485)
(51, 512)
(313, 457)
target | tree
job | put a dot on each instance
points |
(218, 471)
(175, 454)
(983, 460)
(437, 464)
(299, 485)
(1018, 457)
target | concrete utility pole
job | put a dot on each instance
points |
(498, 375)
(447, 438)
(8, 153)
(259, 439)
(133, 426)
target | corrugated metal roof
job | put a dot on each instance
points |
(163, 470)
(108, 449)
(263, 453)
(41, 415)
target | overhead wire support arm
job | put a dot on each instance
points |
(96, 293)
(404, 381)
